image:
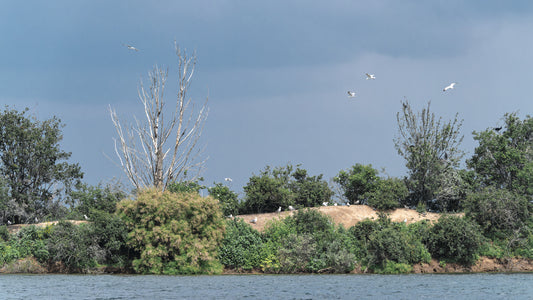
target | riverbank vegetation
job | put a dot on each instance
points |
(175, 230)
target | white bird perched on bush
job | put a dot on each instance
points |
(451, 86)
(291, 208)
(370, 76)
(351, 94)
(254, 220)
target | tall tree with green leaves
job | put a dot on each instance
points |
(33, 165)
(504, 157)
(430, 147)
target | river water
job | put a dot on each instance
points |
(416, 286)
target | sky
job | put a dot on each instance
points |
(276, 74)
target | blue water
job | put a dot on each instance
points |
(464, 286)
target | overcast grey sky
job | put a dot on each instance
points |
(277, 73)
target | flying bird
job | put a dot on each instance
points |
(131, 47)
(254, 220)
(370, 76)
(351, 94)
(228, 179)
(451, 86)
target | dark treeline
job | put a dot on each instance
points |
(177, 231)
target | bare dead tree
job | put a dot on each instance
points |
(159, 150)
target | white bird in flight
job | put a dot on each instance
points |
(351, 94)
(451, 86)
(228, 179)
(370, 76)
(131, 47)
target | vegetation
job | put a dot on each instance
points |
(178, 231)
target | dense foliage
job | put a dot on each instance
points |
(34, 170)
(284, 187)
(174, 233)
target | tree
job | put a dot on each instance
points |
(229, 201)
(142, 149)
(357, 182)
(33, 165)
(430, 148)
(504, 158)
(309, 190)
(388, 194)
(174, 233)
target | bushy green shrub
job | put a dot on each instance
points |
(110, 233)
(74, 246)
(497, 211)
(391, 267)
(358, 181)
(296, 253)
(86, 199)
(242, 246)
(308, 190)
(4, 233)
(310, 221)
(185, 186)
(174, 233)
(388, 194)
(31, 241)
(455, 238)
(229, 202)
(8, 253)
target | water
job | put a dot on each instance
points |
(464, 286)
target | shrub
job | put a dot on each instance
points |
(31, 241)
(391, 267)
(110, 233)
(174, 233)
(358, 181)
(229, 202)
(388, 194)
(191, 186)
(296, 254)
(455, 238)
(309, 191)
(242, 246)
(4, 233)
(310, 221)
(87, 199)
(74, 246)
(497, 211)
(8, 253)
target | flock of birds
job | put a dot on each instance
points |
(352, 94)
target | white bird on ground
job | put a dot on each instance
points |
(334, 204)
(230, 216)
(279, 209)
(405, 220)
(291, 208)
(131, 47)
(254, 220)
(86, 218)
(36, 220)
(324, 203)
(356, 202)
(351, 94)
(451, 86)
(228, 179)
(8, 222)
(348, 204)
(370, 76)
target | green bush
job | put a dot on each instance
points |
(31, 241)
(388, 194)
(497, 211)
(242, 246)
(310, 221)
(86, 199)
(110, 233)
(8, 253)
(174, 233)
(358, 181)
(296, 253)
(391, 267)
(456, 239)
(191, 186)
(229, 201)
(74, 246)
(4, 233)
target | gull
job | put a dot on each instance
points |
(334, 204)
(351, 94)
(324, 203)
(279, 209)
(451, 86)
(291, 208)
(228, 179)
(230, 216)
(356, 202)
(86, 218)
(131, 47)
(36, 220)
(348, 204)
(405, 220)
(254, 220)
(8, 222)
(370, 76)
